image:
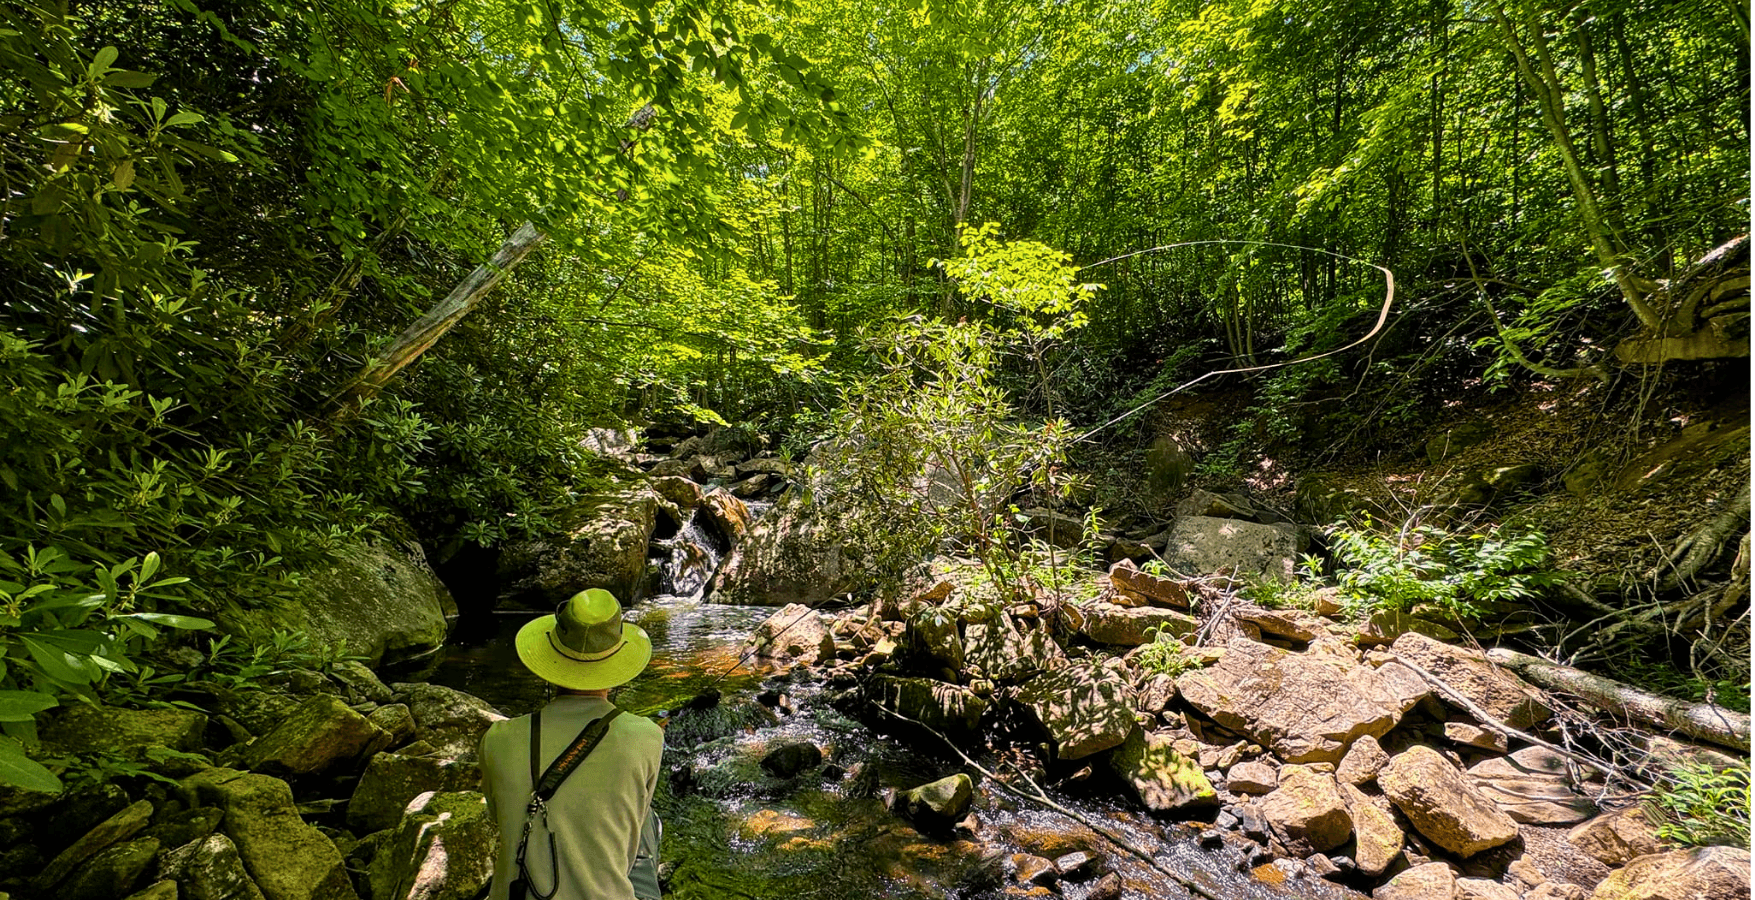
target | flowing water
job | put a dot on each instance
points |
(733, 830)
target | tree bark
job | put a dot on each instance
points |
(1701, 721)
(427, 330)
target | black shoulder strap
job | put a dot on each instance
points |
(570, 758)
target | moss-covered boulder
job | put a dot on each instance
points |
(442, 849)
(321, 733)
(286, 858)
(1083, 708)
(602, 544)
(208, 869)
(391, 780)
(380, 601)
(1159, 777)
(112, 873)
(87, 729)
(792, 555)
(936, 805)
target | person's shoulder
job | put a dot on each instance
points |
(503, 730)
(639, 726)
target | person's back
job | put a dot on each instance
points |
(595, 817)
(596, 814)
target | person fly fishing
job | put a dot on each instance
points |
(574, 805)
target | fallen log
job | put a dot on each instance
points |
(1701, 721)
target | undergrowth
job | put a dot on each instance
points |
(1701, 805)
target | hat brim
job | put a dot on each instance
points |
(547, 663)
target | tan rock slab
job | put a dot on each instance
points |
(1376, 836)
(1252, 778)
(1303, 707)
(1533, 786)
(1701, 873)
(1307, 812)
(1501, 694)
(1484, 889)
(1432, 881)
(1363, 761)
(1469, 734)
(1442, 804)
(1615, 838)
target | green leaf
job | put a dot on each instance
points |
(190, 623)
(122, 78)
(21, 771)
(22, 706)
(57, 662)
(101, 63)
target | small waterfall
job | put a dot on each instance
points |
(686, 560)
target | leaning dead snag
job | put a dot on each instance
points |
(1701, 721)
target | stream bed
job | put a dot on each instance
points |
(733, 830)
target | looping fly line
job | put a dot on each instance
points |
(1382, 317)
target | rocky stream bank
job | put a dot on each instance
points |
(1283, 753)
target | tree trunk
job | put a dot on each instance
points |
(414, 340)
(1701, 721)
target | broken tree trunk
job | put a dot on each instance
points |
(414, 340)
(1701, 721)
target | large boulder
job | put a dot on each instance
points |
(391, 780)
(602, 544)
(1005, 649)
(1442, 805)
(448, 719)
(81, 728)
(1532, 785)
(378, 600)
(1305, 707)
(322, 732)
(793, 636)
(208, 869)
(1701, 873)
(793, 555)
(1131, 626)
(952, 711)
(1498, 692)
(728, 515)
(1083, 708)
(442, 849)
(288, 859)
(1616, 838)
(1162, 779)
(1307, 811)
(1204, 544)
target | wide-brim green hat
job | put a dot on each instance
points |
(585, 645)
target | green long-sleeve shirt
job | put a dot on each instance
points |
(596, 814)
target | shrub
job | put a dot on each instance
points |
(1700, 805)
(1425, 565)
